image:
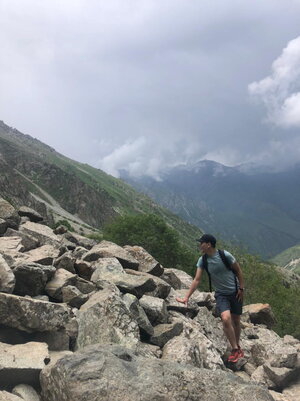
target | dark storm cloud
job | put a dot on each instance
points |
(142, 85)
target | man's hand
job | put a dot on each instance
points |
(183, 300)
(240, 295)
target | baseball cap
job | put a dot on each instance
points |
(207, 238)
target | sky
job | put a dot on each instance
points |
(144, 85)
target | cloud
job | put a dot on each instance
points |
(280, 91)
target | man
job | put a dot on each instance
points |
(229, 286)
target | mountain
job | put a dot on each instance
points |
(34, 174)
(289, 259)
(251, 207)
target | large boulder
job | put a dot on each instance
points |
(162, 288)
(33, 215)
(105, 319)
(9, 214)
(32, 315)
(22, 363)
(31, 278)
(260, 314)
(7, 277)
(106, 249)
(28, 241)
(113, 373)
(147, 263)
(43, 234)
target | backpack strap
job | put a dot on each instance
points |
(228, 265)
(205, 267)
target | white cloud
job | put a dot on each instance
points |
(280, 91)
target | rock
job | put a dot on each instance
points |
(9, 214)
(11, 245)
(178, 279)
(7, 277)
(3, 226)
(104, 319)
(60, 230)
(292, 392)
(260, 314)
(165, 332)
(44, 255)
(147, 350)
(32, 315)
(280, 376)
(41, 233)
(65, 261)
(73, 297)
(279, 397)
(162, 288)
(190, 309)
(5, 396)
(137, 286)
(28, 242)
(26, 392)
(79, 240)
(147, 263)
(106, 249)
(206, 299)
(31, 278)
(87, 375)
(61, 279)
(32, 214)
(138, 314)
(260, 376)
(203, 352)
(104, 268)
(155, 308)
(22, 363)
(182, 350)
(84, 269)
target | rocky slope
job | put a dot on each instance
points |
(89, 321)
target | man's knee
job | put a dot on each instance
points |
(226, 318)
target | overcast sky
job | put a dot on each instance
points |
(146, 84)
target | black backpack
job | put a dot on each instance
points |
(226, 263)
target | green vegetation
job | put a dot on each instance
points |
(287, 256)
(64, 223)
(153, 234)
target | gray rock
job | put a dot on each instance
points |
(165, 332)
(191, 309)
(105, 267)
(147, 263)
(87, 376)
(137, 286)
(105, 318)
(7, 277)
(84, 269)
(44, 255)
(106, 249)
(73, 297)
(9, 214)
(79, 240)
(3, 226)
(32, 214)
(22, 363)
(6, 396)
(61, 279)
(260, 314)
(162, 288)
(41, 233)
(280, 376)
(292, 392)
(32, 315)
(26, 392)
(138, 314)
(28, 242)
(178, 279)
(65, 261)
(155, 308)
(31, 278)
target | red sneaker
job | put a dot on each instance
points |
(234, 356)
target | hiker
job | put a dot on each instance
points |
(226, 275)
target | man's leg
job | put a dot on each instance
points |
(236, 323)
(229, 328)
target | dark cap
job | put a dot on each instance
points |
(207, 238)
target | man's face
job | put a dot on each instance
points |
(204, 246)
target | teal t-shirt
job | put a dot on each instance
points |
(222, 278)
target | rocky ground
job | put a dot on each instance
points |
(88, 321)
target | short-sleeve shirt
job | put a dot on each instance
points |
(222, 278)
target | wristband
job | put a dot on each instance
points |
(242, 289)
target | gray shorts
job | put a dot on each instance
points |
(229, 302)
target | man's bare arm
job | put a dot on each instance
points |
(238, 271)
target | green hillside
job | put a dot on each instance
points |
(289, 259)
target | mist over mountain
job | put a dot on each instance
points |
(256, 207)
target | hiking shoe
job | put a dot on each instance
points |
(234, 355)
(241, 352)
